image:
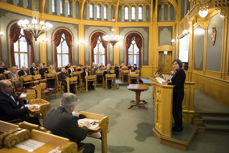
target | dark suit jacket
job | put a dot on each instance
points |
(61, 77)
(43, 71)
(84, 74)
(3, 69)
(62, 123)
(22, 73)
(178, 81)
(9, 109)
(32, 69)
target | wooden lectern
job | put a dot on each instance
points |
(163, 99)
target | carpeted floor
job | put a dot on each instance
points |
(130, 131)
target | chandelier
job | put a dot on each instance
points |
(36, 28)
(113, 39)
(203, 13)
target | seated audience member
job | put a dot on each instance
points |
(62, 122)
(102, 66)
(70, 70)
(23, 71)
(129, 66)
(84, 74)
(132, 71)
(135, 67)
(2, 68)
(13, 73)
(11, 107)
(107, 71)
(43, 70)
(52, 69)
(116, 70)
(93, 65)
(62, 77)
(67, 66)
(121, 65)
(33, 69)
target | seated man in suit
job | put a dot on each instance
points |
(62, 77)
(33, 69)
(116, 68)
(13, 73)
(2, 68)
(84, 74)
(23, 71)
(11, 107)
(62, 122)
(43, 70)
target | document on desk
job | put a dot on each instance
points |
(30, 145)
(93, 123)
(23, 95)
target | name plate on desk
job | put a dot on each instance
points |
(94, 124)
(30, 145)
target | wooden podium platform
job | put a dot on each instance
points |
(163, 99)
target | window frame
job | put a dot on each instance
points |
(140, 13)
(61, 53)
(69, 8)
(55, 6)
(19, 52)
(98, 54)
(98, 12)
(105, 13)
(91, 12)
(133, 14)
(126, 14)
(133, 54)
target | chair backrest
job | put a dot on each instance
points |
(37, 77)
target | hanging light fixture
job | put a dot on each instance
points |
(36, 27)
(203, 13)
(113, 39)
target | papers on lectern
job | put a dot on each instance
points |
(93, 123)
(160, 80)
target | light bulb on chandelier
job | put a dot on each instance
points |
(203, 13)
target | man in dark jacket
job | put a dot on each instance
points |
(62, 77)
(84, 74)
(23, 71)
(33, 69)
(60, 121)
(11, 107)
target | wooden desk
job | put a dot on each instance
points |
(138, 88)
(133, 76)
(99, 73)
(51, 76)
(111, 77)
(123, 74)
(72, 80)
(90, 78)
(102, 128)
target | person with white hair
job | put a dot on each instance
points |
(62, 121)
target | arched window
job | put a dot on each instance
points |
(21, 46)
(140, 13)
(133, 49)
(63, 47)
(91, 11)
(98, 49)
(126, 12)
(133, 13)
(105, 12)
(62, 9)
(99, 11)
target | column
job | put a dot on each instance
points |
(162, 12)
(43, 49)
(144, 13)
(73, 9)
(116, 48)
(169, 13)
(123, 14)
(24, 4)
(136, 13)
(88, 11)
(58, 7)
(95, 12)
(66, 8)
(129, 14)
(81, 46)
(49, 6)
(102, 12)
(109, 13)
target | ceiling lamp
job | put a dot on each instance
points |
(113, 39)
(203, 13)
(36, 28)
(1, 33)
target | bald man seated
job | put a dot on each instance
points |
(13, 109)
(61, 121)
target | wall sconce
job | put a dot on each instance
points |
(165, 52)
(2, 33)
(173, 41)
(203, 13)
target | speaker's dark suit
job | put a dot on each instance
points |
(62, 123)
(178, 95)
(10, 109)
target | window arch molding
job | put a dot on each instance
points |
(93, 41)
(14, 34)
(57, 35)
(139, 42)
